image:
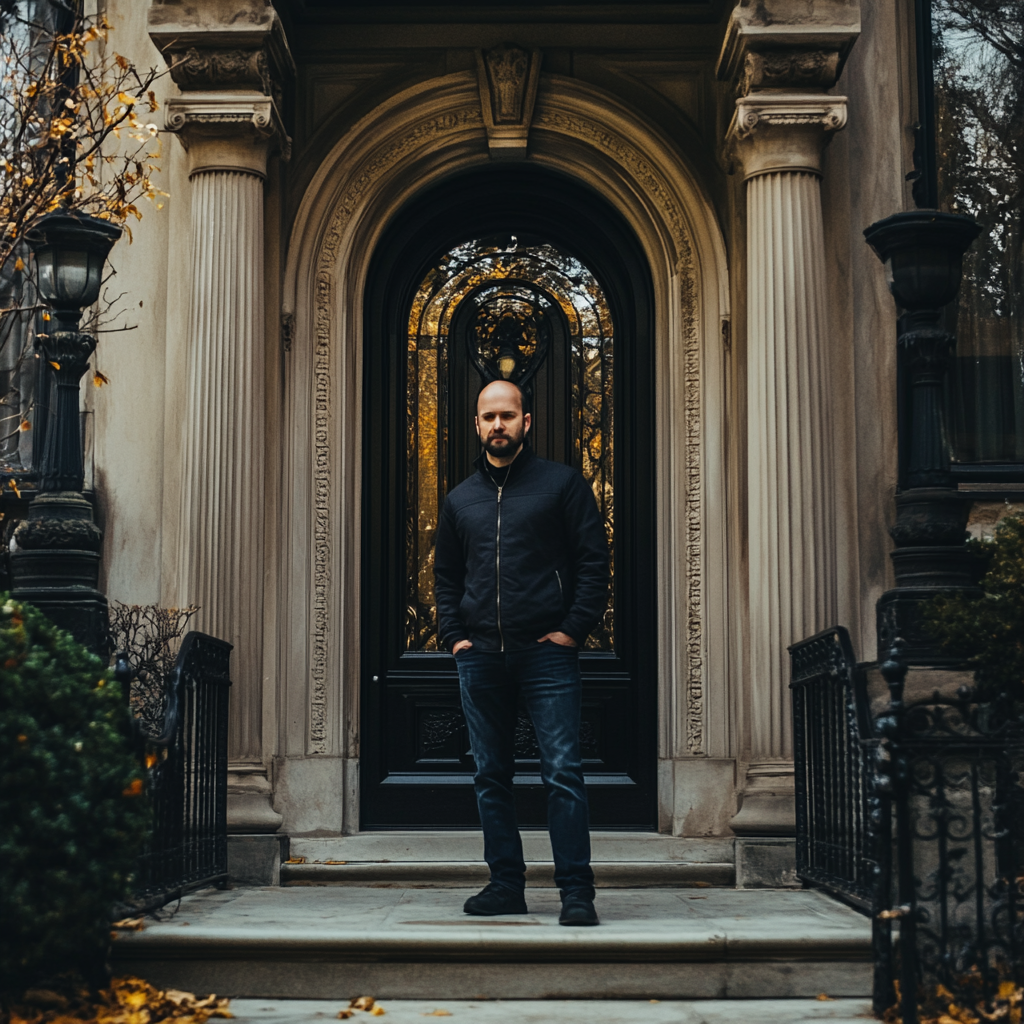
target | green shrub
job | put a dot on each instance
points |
(987, 630)
(72, 813)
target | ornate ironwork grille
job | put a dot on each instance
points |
(953, 768)
(188, 782)
(915, 817)
(530, 314)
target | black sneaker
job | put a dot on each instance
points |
(578, 909)
(493, 900)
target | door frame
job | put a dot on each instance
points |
(535, 203)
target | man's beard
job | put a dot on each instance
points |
(505, 451)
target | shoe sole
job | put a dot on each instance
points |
(579, 924)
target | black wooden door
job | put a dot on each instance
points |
(523, 275)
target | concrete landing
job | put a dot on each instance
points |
(336, 942)
(563, 1011)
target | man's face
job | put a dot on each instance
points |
(500, 421)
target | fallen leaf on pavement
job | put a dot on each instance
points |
(130, 924)
(362, 1003)
(344, 1014)
(438, 1013)
(822, 998)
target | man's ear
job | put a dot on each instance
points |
(526, 422)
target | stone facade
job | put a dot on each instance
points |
(746, 147)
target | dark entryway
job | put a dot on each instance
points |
(522, 274)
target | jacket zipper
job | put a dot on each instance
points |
(561, 593)
(497, 567)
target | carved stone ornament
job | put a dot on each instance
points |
(508, 77)
(780, 69)
(218, 69)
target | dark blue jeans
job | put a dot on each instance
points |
(548, 677)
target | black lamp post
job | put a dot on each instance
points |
(923, 254)
(56, 564)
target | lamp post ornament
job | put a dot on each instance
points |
(56, 564)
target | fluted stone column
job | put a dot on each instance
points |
(778, 139)
(221, 523)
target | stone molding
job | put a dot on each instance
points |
(780, 132)
(225, 131)
(508, 77)
(774, 26)
(376, 165)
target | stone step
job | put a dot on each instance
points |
(466, 874)
(454, 859)
(337, 942)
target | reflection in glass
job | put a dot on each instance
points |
(978, 67)
(531, 314)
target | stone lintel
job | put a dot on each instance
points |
(783, 131)
(227, 131)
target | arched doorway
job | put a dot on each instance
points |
(492, 272)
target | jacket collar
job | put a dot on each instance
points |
(526, 454)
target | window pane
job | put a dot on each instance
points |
(528, 313)
(978, 66)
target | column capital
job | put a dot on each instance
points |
(227, 131)
(782, 131)
(232, 63)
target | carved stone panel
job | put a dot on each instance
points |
(508, 77)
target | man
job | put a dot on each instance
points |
(521, 578)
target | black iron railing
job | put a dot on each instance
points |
(842, 825)
(953, 768)
(916, 817)
(188, 776)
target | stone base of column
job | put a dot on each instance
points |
(769, 801)
(256, 860)
(766, 863)
(250, 802)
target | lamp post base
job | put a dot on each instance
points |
(57, 563)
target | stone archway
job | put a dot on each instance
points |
(417, 138)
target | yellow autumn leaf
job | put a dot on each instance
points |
(56, 366)
(46, 316)
(99, 379)
(362, 1003)
(24, 425)
(14, 487)
(127, 100)
(448, 1013)
(377, 1011)
(19, 264)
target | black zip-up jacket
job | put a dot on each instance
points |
(516, 562)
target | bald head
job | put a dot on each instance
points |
(502, 392)
(500, 421)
